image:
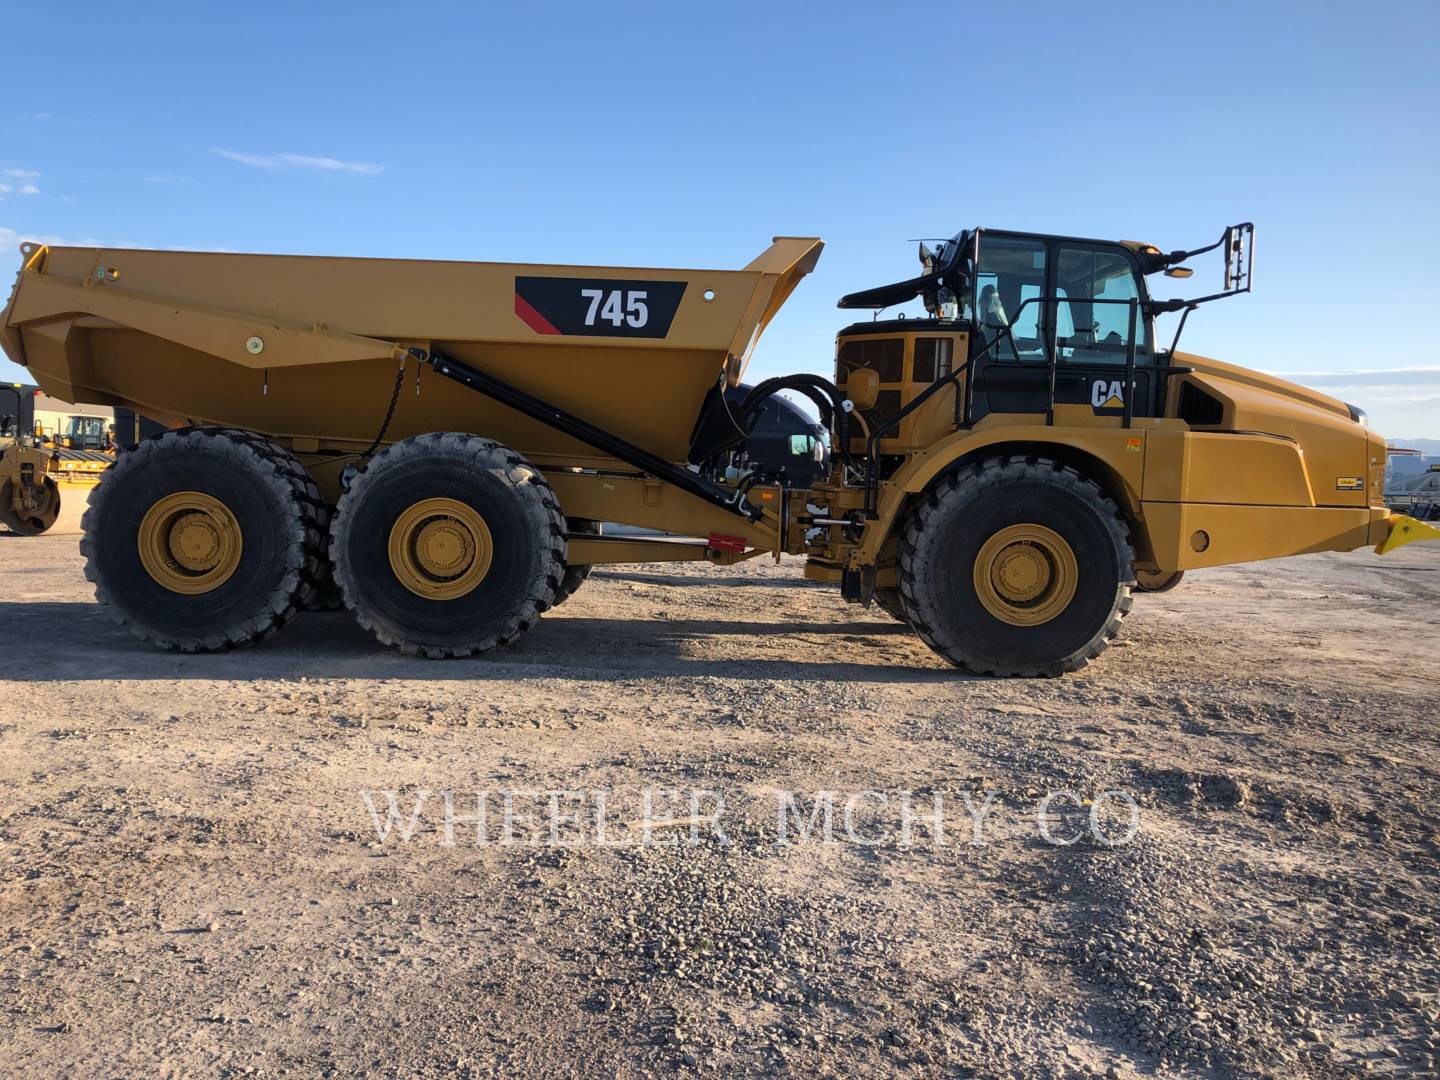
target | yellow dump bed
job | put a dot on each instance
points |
(307, 348)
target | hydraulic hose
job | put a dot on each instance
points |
(825, 394)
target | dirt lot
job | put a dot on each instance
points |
(192, 884)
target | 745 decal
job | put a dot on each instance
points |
(635, 312)
(597, 307)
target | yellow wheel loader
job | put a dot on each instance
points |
(85, 433)
(35, 480)
(437, 442)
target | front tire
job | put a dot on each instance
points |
(448, 545)
(1017, 566)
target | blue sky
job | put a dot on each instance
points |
(686, 134)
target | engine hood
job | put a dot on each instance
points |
(1271, 384)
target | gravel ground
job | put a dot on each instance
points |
(192, 882)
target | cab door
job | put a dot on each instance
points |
(1012, 375)
(1078, 311)
(1096, 286)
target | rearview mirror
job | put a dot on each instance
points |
(862, 386)
(1239, 246)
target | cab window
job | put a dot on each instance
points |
(1096, 333)
(1011, 271)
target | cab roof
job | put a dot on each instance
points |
(1149, 258)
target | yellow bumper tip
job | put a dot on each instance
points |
(1405, 530)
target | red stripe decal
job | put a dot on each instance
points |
(533, 318)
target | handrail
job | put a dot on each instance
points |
(964, 421)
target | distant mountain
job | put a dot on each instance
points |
(1428, 447)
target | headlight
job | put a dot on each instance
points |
(1357, 414)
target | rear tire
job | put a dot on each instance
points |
(204, 539)
(448, 545)
(1017, 566)
(327, 594)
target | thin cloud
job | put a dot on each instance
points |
(11, 239)
(255, 161)
(328, 164)
(22, 174)
(1400, 399)
(29, 189)
(300, 161)
(1407, 376)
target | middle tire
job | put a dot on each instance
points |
(575, 575)
(448, 544)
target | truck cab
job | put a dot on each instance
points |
(1100, 308)
(1044, 347)
(1044, 320)
(86, 433)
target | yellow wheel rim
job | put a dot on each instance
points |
(440, 549)
(190, 542)
(1026, 575)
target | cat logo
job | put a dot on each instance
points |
(1107, 394)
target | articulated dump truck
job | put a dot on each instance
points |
(438, 445)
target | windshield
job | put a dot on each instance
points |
(1094, 287)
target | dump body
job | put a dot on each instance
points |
(305, 348)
